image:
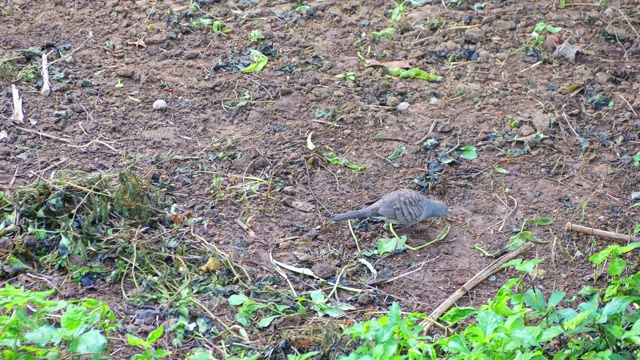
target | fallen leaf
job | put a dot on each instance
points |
(567, 51)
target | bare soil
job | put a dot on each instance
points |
(251, 129)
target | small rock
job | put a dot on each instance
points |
(155, 39)
(445, 128)
(323, 270)
(402, 106)
(392, 101)
(635, 195)
(474, 33)
(526, 130)
(602, 77)
(125, 73)
(159, 105)
(289, 190)
(191, 54)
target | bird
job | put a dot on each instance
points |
(403, 207)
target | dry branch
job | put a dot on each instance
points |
(473, 282)
(598, 232)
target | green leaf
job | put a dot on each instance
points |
(73, 318)
(413, 73)
(161, 353)
(500, 170)
(91, 342)
(602, 255)
(136, 341)
(266, 321)
(555, 298)
(237, 300)
(542, 221)
(317, 296)
(522, 266)
(636, 160)
(616, 266)
(457, 314)
(333, 159)
(155, 335)
(535, 299)
(259, 62)
(389, 245)
(468, 152)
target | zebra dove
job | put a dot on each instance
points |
(405, 207)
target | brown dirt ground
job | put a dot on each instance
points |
(491, 93)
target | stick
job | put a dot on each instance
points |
(473, 282)
(18, 115)
(598, 232)
(46, 85)
(433, 125)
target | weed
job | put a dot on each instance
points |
(397, 14)
(29, 330)
(256, 36)
(389, 33)
(350, 76)
(520, 323)
(149, 353)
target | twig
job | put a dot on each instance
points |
(473, 282)
(531, 67)
(433, 125)
(18, 115)
(627, 20)
(504, 221)
(570, 127)
(385, 138)
(250, 232)
(598, 232)
(630, 107)
(76, 49)
(43, 134)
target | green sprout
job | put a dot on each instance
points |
(256, 36)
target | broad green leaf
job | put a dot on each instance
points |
(389, 245)
(468, 152)
(155, 335)
(91, 342)
(259, 62)
(237, 300)
(500, 170)
(266, 321)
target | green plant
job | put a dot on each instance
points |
(28, 331)
(248, 308)
(219, 27)
(397, 14)
(149, 353)
(350, 76)
(256, 36)
(390, 337)
(636, 160)
(389, 33)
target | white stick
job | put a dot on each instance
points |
(46, 85)
(18, 115)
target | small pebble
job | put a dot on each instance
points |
(159, 105)
(402, 106)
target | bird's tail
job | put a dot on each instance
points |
(358, 214)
